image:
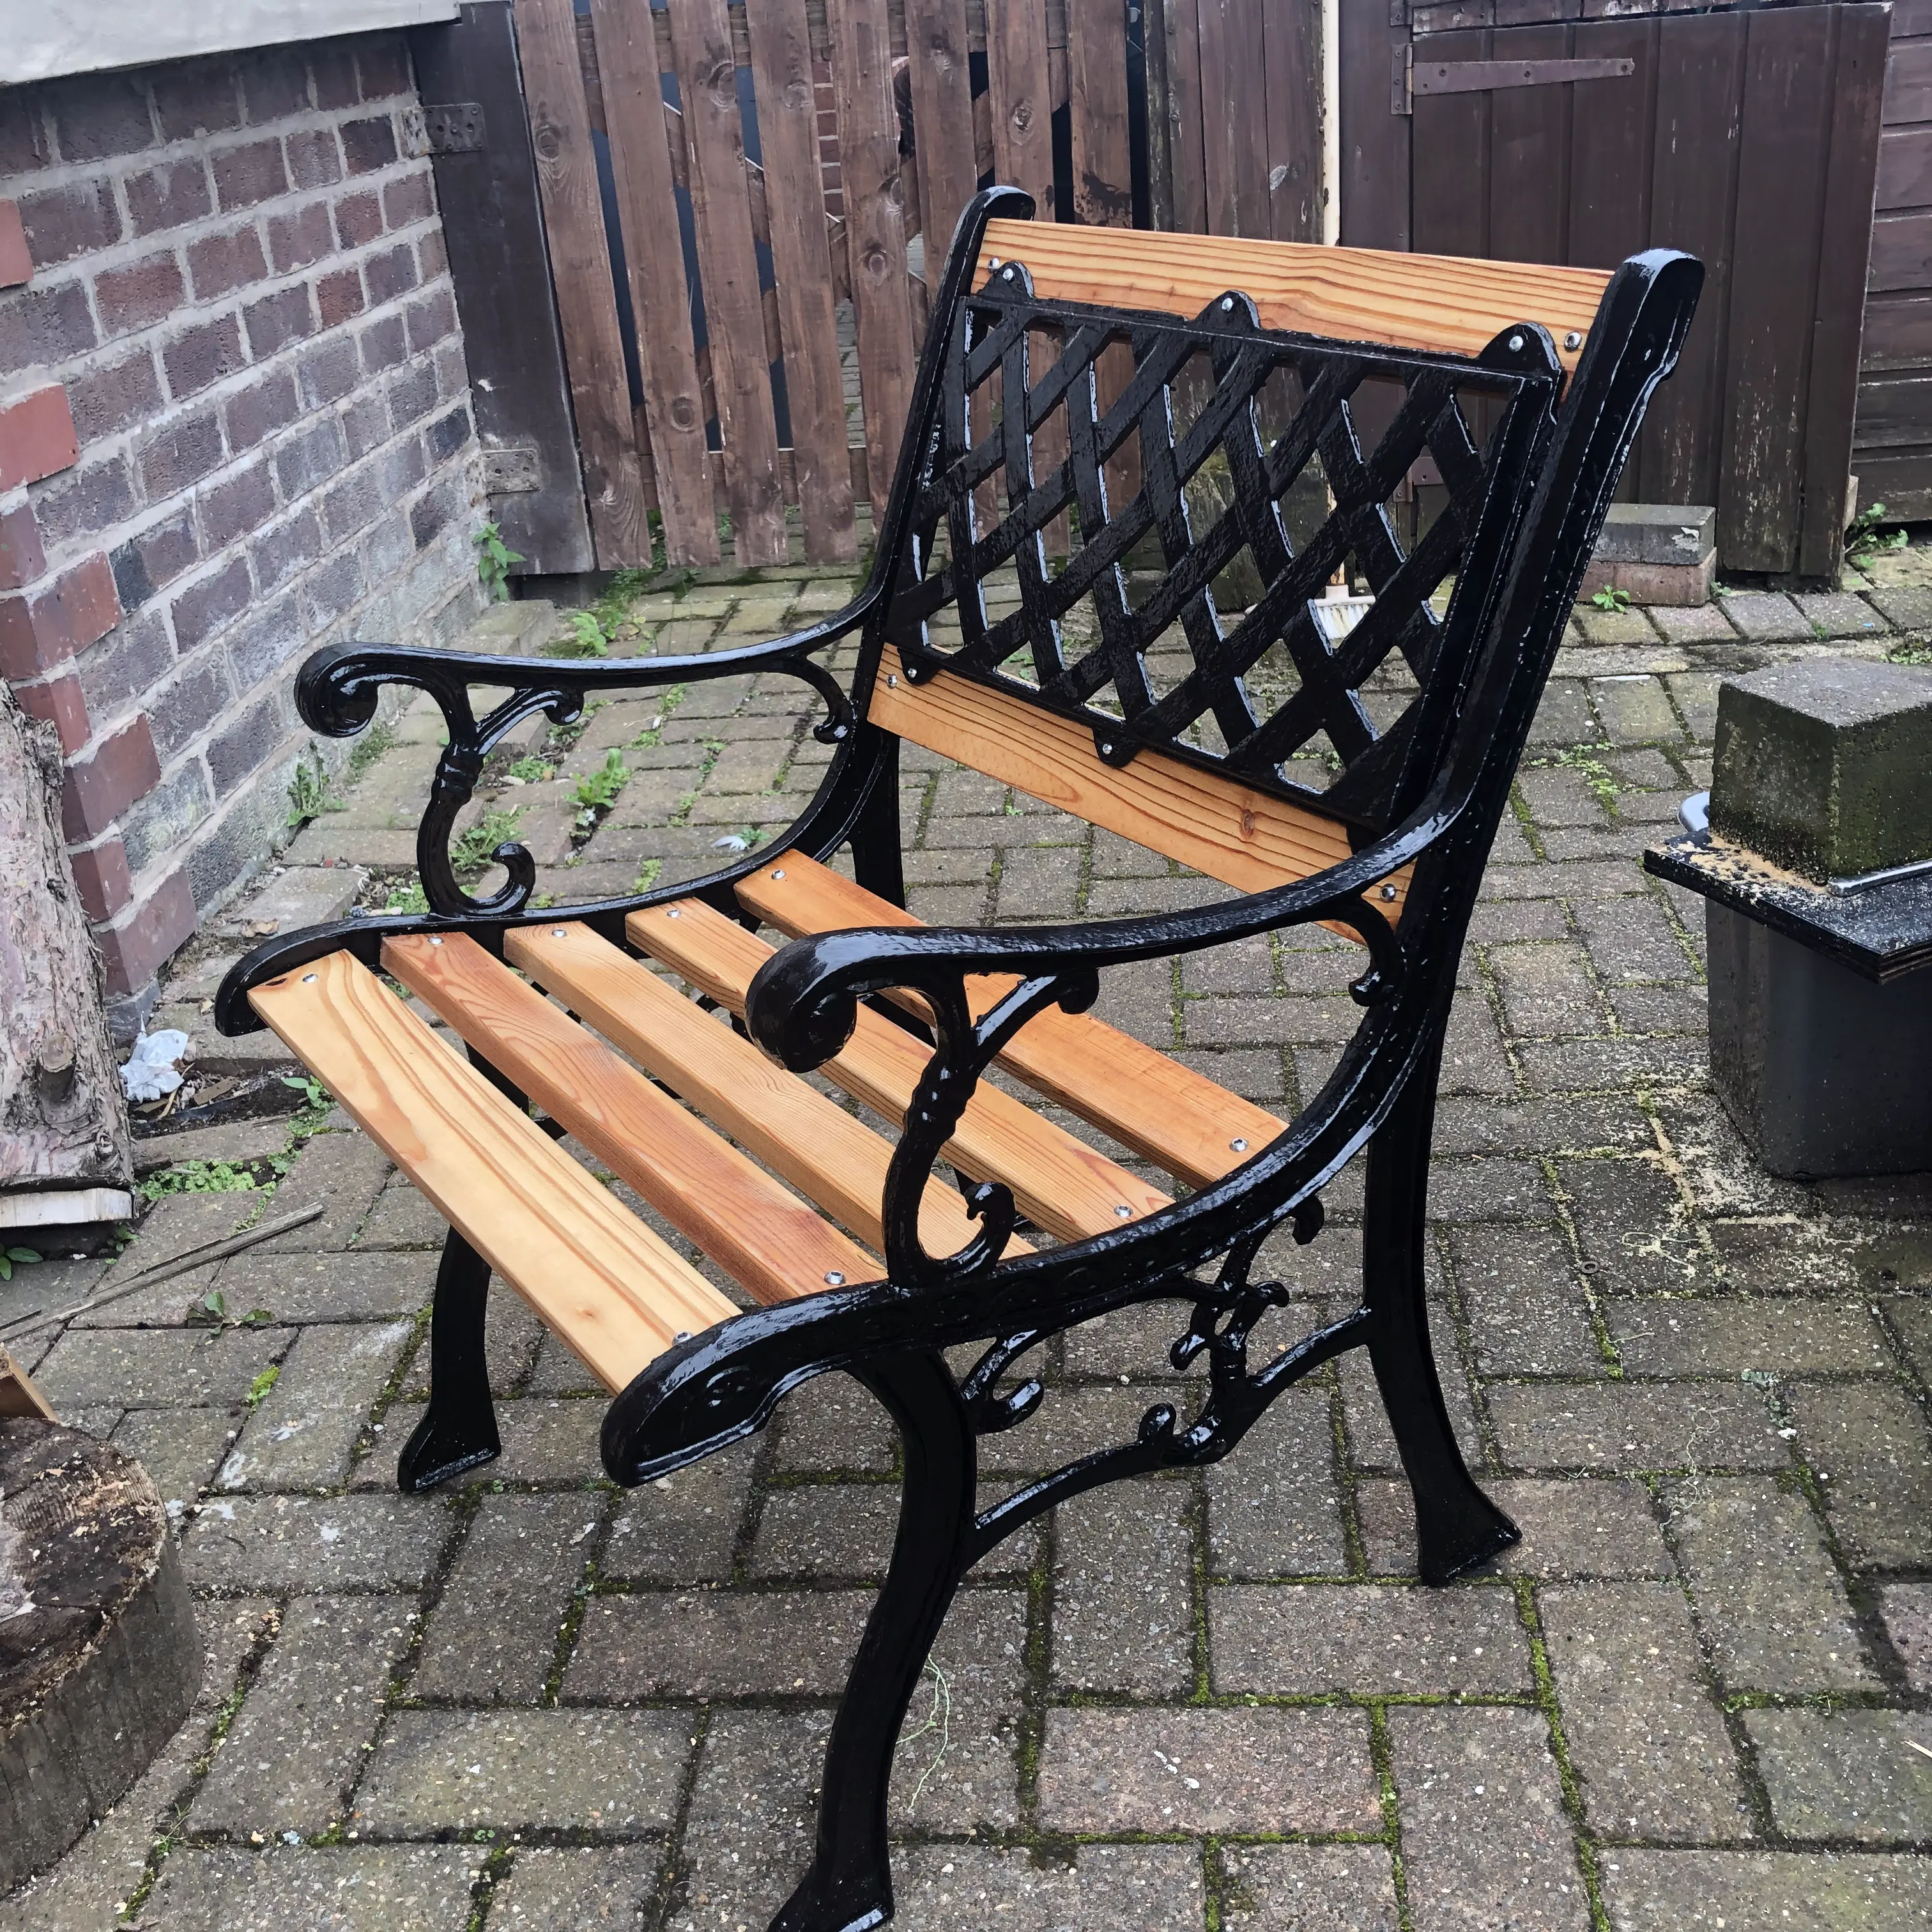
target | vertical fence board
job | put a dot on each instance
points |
(1694, 168)
(1857, 94)
(1529, 147)
(1451, 132)
(728, 266)
(942, 119)
(1291, 35)
(1781, 166)
(1234, 121)
(875, 228)
(674, 405)
(801, 257)
(1186, 137)
(586, 295)
(1096, 33)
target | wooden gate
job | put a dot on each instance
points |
(760, 143)
(1748, 136)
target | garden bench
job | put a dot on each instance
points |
(1071, 376)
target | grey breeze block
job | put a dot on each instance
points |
(1825, 765)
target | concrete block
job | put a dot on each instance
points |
(1658, 533)
(1824, 765)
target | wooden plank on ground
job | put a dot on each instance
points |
(1857, 88)
(942, 119)
(1059, 1182)
(727, 265)
(640, 164)
(766, 1239)
(580, 262)
(1246, 838)
(1291, 35)
(1360, 294)
(590, 1268)
(801, 261)
(869, 154)
(1178, 1118)
(801, 1134)
(19, 1397)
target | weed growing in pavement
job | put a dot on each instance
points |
(494, 560)
(477, 846)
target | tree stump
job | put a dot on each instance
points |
(63, 1122)
(100, 1659)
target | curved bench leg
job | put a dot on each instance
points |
(1457, 1525)
(849, 1887)
(459, 1429)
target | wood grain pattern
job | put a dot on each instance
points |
(1291, 36)
(801, 261)
(1148, 1100)
(1187, 136)
(1244, 838)
(579, 258)
(1234, 147)
(868, 153)
(795, 1130)
(765, 1238)
(942, 116)
(1059, 1182)
(19, 1397)
(594, 1273)
(728, 262)
(640, 162)
(1356, 295)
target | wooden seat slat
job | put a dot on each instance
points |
(760, 1233)
(795, 1130)
(1146, 1098)
(1246, 838)
(1450, 304)
(1059, 1182)
(588, 1267)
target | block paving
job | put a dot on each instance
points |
(1699, 1694)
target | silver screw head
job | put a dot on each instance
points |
(1227, 305)
(995, 262)
(1388, 891)
(833, 1279)
(556, 932)
(779, 874)
(1106, 751)
(435, 939)
(891, 680)
(674, 914)
(1574, 340)
(308, 978)
(1122, 1210)
(1516, 342)
(1237, 1145)
(683, 1335)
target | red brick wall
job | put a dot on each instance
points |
(234, 425)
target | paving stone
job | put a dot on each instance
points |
(298, 1744)
(1767, 1595)
(832, 1424)
(1371, 1442)
(1297, 1640)
(1795, 1891)
(1868, 1444)
(1629, 1427)
(178, 1447)
(611, 1771)
(1726, 1337)
(1628, 626)
(1485, 1840)
(1473, 1059)
(1527, 1314)
(550, 1441)
(338, 1543)
(1635, 708)
(1560, 795)
(612, 1885)
(492, 1637)
(1585, 1066)
(1546, 990)
(356, 1286)
(1692, 624)
(683, 1528)
(1765, 617)
(1909, 607)
(1908, 1622)
(1838, 613)
(1844, 1773)
(156, 1368)
(1584, 1526)
(342, 1888)
(716, 1644)
(302, 1433)
(1105, 1888)
(1274, 1506)
(1490, 1188)
(1633, 1226)
(1308, 1888)
(1123, 1589)
(342, 1172)
(1072, 1422)
(401, 1218)
(1563, 715)
(1131, 1342)
(175, 1224)
(1252, 1771)
(1649, 1747)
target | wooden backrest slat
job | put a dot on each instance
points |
(1246, 838)
(1445, 304)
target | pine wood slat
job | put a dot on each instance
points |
(1146, 1098)
(18, 1395)
(641, 163)
(762, 1235)
(579, 259)
(727, 261)
(1243, 837)
(594, 1272)
(1058, 1181)
(795, 1130)
(1355, 295)
(801, 261)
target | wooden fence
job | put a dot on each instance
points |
(802, 254)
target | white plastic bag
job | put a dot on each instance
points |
(150, 1069)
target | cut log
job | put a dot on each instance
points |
(63, 1123)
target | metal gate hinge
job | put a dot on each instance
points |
(510, 469)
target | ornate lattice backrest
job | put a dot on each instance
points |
(1202, 482)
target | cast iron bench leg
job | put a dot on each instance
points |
(459, 1429)
(1457, 1525)
(849, 1886)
